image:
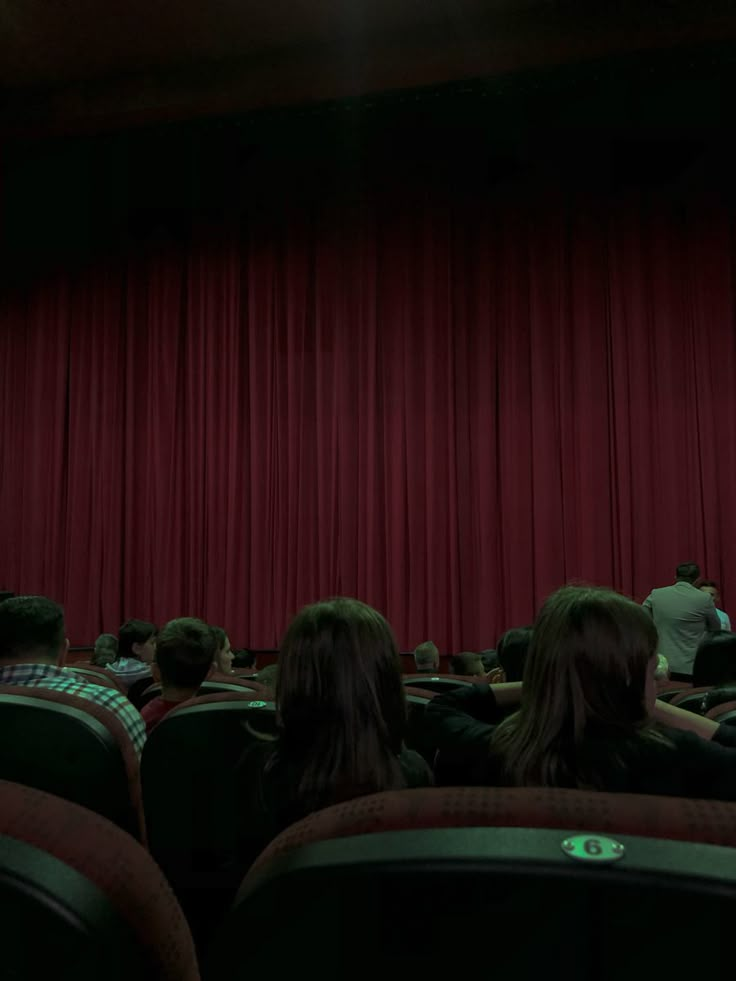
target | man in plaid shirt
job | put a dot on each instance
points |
(33, 645)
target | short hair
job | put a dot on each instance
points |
(185, 649)
(512, 649)
(711, 583)
(689, 571)
(715, 660)
(106, 650)
(133, 632)
(30, 625)
(466, 663)
(244, 659)
(426, 656)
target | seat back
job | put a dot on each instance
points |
(191, 796)
(72, 747)
(208, 688)
(666, 695)
(96, 676)
(81, 900)
(725, 713)
(690, 697)
(436, 682)
(718, 696)
(390, 858)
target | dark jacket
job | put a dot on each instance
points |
(461, 724)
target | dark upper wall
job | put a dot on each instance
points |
(64, 68)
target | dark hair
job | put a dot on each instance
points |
(244, 659)
(30, 625)
(512, 649)
(133, 632)
(466, 663)
(715, 660)
(220, 636)
(585, 676)
(341, 703)
(426, 656)
(687, 571)
(106, 650)
(185, 649)
(711, 583)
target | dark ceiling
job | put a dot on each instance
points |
(70, 65)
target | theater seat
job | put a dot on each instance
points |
(691, 699)
(82, 901)
(437, 683)
(96, 676)
(718, 696)
(211, 687)
(71, 747)
(190, 794)
(422, 881)
(725, 713)
(667, 694)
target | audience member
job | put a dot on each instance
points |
(268, 676)
(136, 652)
(662, 672)
(710, 586)
(106, 650)
(715, 662)
(426, 657)
(682, 614)
(342, 716)
(244, 659)
(589, 716)
(33, 648)
(185, 649)
(512, 649)
(223, 662)
(468, 664)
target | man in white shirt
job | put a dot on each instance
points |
(682, 614)
(711, 586)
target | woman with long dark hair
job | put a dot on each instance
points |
(341, 718)
(588, 716)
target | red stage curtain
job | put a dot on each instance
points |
(444, 405)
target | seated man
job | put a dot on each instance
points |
(33, 648)
(469, 665)
(185, 649)
(427, 658)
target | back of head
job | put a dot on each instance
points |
(687, 572)
(31, 629)
(341, 701)
(426, 656)
(184, 653)
(512, 649)
(244, 659)
(467, 663)
(106, 650)
(586, 676)
(133, 632)
(715, 661)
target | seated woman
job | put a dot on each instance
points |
(588, 716)
(136, 652)
(106, 650)
(341, 720)
(223, 662)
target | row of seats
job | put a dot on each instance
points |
(587, 883)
